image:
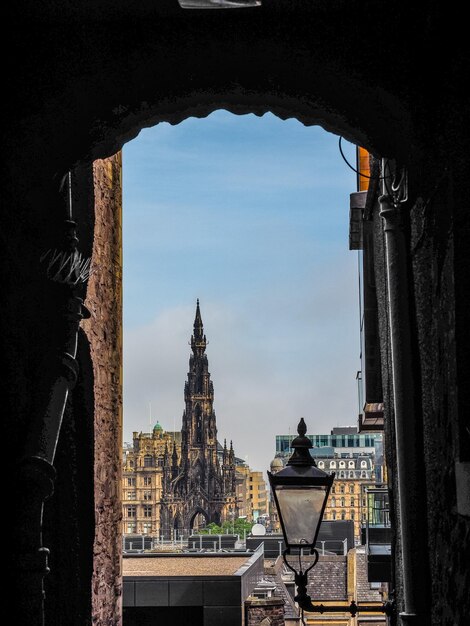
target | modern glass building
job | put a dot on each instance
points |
(347, 443)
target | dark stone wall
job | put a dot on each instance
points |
(83, 78)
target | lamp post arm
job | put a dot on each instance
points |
(305, 602)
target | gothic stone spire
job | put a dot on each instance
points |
(198, 339)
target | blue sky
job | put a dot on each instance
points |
(250, 215)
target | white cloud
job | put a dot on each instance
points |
(272, 361)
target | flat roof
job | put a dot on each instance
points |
(188, 566)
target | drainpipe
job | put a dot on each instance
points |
(36, 473)
(408, 442)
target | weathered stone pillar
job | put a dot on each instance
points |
(104, 332)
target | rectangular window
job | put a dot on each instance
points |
(131, 481)
(147, 480)
(147, 495)
(131, 511)
(131, 527)
(147, 510)
(131, 495)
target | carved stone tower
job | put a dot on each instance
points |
(200, 490)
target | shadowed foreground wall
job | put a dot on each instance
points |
(375, 72)
(104, 299)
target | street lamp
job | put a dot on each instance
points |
(300, 492)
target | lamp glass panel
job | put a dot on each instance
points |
(300, 509)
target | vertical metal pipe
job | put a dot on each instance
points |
(408, 447)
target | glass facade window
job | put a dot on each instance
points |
(283, 442)
(378, 509)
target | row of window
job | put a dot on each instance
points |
(131, 510)
(132, 527)
(342, 502)
(283, 442)
(332, 464)
(132, 495)
(352, 474)
(131, 481)
(342, 489)
(342, 515)
(149, 461)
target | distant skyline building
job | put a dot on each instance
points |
(174, 484)
(357, 460)
(341, 440)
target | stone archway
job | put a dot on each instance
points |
(95, 87)
(198, 519)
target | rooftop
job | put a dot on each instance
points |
(226, 565)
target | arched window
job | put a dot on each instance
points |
(332, 464)
(363, 474)
(342, 501)
(352, 501)
(321, 465)
(351, 488)
(333, 501)
(342, 474)
(333, 515)
(148, 460)
(364, 464)
(333, 489)
(351, 474)
(325, 516)
(341, 488)
(351, 464)
(342, 464)
(343, 514)
(352, 513)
